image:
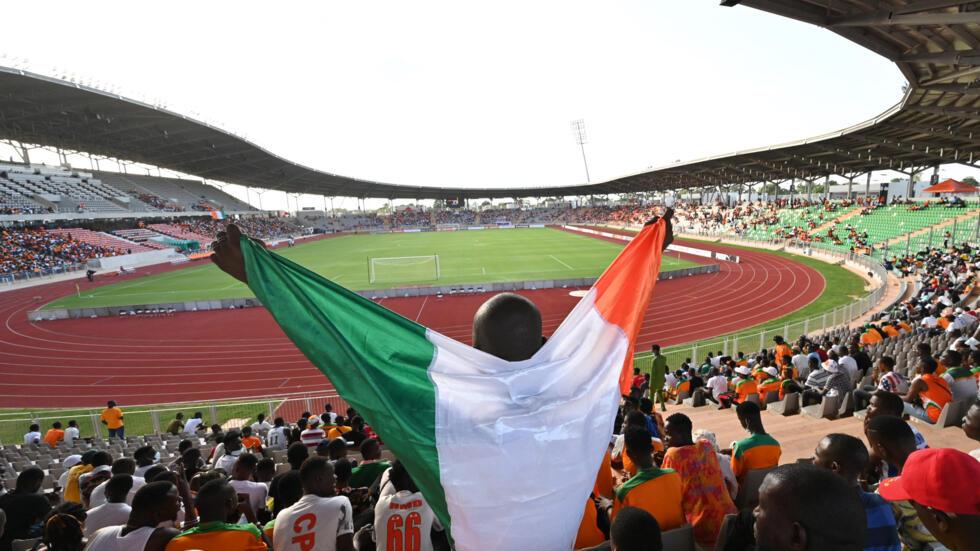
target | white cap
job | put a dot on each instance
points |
(742, 370)
(831, 366)
(772, 371)
(71, 461)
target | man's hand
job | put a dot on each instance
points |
(228, 253)
(668, 217)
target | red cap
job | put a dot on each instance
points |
(941, 478)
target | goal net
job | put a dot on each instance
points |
(400, 269)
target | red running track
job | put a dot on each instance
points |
(242, 353)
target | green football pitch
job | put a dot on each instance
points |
(402, 259)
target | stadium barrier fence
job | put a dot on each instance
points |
(154, 419)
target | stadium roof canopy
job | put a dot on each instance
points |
(935, 44)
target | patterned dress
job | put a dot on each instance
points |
(705, 497)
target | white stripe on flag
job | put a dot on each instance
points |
(520, 443)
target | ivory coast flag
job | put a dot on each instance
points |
(506, 453)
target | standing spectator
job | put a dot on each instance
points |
(705, 496)
(328, 517)
(25, 506)
(194, 424)
(847, 456)
(115, 511)
(71, 433)
(782, 351)
(54, 434)
(829, 517)
(759, 450)
(177, 425)
(658, 377)
(112, 418)
(33, 436)
(154, 507)
(937, 482)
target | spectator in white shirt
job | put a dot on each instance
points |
(145, 457)
(848, 363)
(277, 439)
(71, 433)
(800, 363)
(328, 518)
(241, 481)
(717, 385)
(232, 451)
(123, 465)
(260, 425)
(33, 436)
(962, 383)
(328, 411)
(929, 322)
(115, 511)
(194, 424)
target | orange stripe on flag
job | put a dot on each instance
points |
(624, 289)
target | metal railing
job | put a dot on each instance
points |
(755, 339)
(154, 419)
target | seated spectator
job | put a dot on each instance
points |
(217, 505)
(837, 385)
(847, 456)
(887, 403)
(706, 500)
(260, 425)
(830, 517)
(33, 436)
(724, 461)
(962, 384)
(971, 427)
(635, 530)
(371, 467)
(772, 382)
(759, 450)
(339, 429)
(928, 393)
(71, 433)
(54, 434)
(312, 436)
(154, 507)
(888, 381)
(146, 457)
(891, 439)
(393, 511)
(115, 511)
(241, 481)
(288, 490)
(327, 519)
(277, 438)
(940, 484)
(233, 449)
(24, 506)
(177, 425)
(633, 419)
(194, 424)
(250, 442)
(657, 491)
(62, 532)
(744, 386)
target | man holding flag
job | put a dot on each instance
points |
(459, 417)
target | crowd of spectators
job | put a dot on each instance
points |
(159, 203)
(257, 226)
(37, 252)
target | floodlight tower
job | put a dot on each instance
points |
(581, 138)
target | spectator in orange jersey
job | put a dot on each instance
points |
(782, 350)
(54, 434)
(656, 491)
(759, 450)
(771, 383)
(870, 336)
(891, 330)
(250, 442)
(744, 386)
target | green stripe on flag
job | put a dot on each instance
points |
(377, 359)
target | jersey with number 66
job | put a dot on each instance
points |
(403, 522)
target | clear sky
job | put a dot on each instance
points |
(464, 93)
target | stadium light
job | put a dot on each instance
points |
(581, 138)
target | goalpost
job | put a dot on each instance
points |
(397, 269)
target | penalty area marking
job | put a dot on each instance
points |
(558, 260)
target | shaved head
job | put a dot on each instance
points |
(508, 326)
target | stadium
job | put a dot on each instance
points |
(720, 338)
